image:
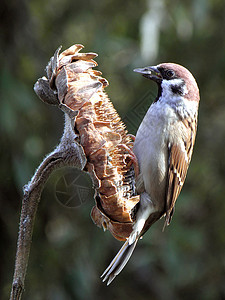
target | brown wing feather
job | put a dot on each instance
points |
(179, 160)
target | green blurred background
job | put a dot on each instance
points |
(69, 252)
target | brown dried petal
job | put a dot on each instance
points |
(61, 83)
(120, 231)
(71, 50)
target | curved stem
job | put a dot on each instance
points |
(68, 153)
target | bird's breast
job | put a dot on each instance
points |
(151, 149)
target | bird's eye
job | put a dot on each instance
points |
(170, 74)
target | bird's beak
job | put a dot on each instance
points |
(150, 72)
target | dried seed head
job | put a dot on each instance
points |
(101, 133)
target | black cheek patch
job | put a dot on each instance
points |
(177, 89)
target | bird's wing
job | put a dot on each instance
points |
(178, 162)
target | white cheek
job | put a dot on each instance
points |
(183, 107)
(185, 90)
(166, 88)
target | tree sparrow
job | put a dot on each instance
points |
(163, 147)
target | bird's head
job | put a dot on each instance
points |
(173, 80)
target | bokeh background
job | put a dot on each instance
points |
(69, 252)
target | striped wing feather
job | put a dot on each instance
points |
(179, 160)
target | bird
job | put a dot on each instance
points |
(163, 147)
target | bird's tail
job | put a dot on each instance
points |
(119, 261)
(146, 209)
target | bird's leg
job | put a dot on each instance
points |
(132, 157)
